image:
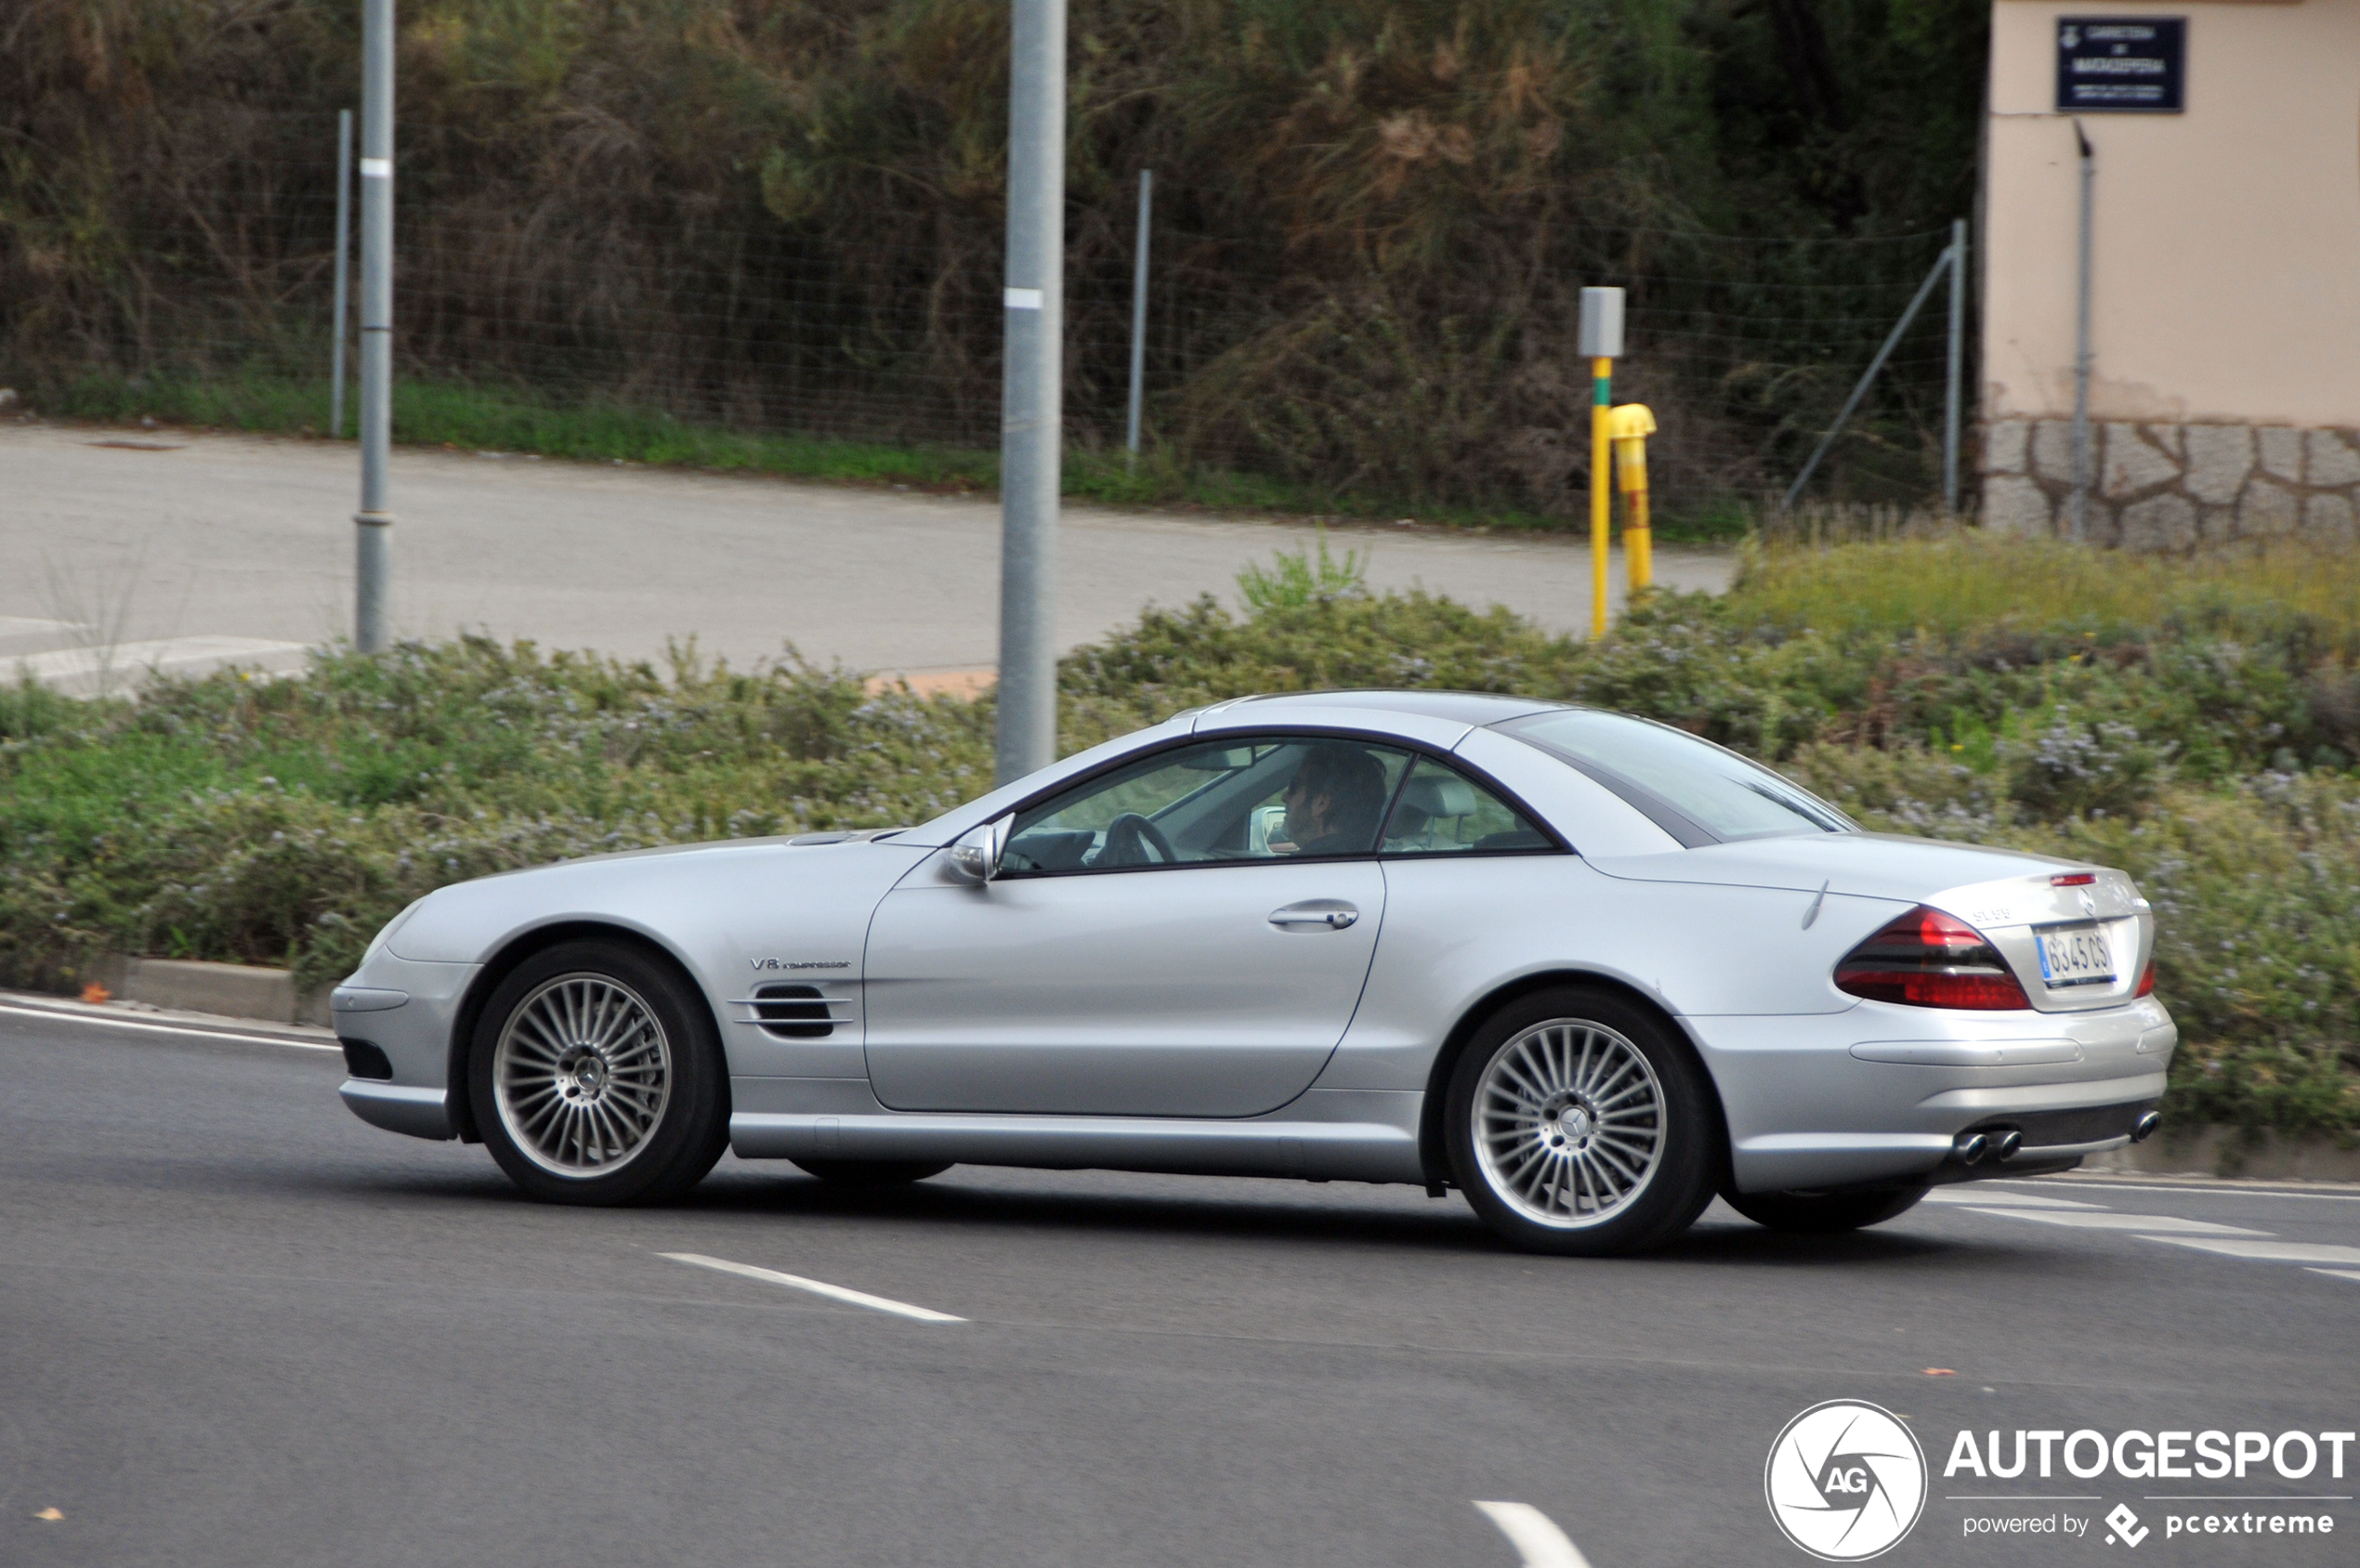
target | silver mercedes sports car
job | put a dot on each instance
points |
(1587, 969)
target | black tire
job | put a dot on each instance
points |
(650, 1089)
(1681, 1133)
(1803, 1213)
(871, 1173)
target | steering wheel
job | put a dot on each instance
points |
(1129, 837)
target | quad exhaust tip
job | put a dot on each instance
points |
(2146, 1128)
(1996, 1145)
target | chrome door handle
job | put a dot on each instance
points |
(1326, 914)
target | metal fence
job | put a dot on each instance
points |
(1373, 383)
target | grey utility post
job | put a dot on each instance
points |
(372, 557)
(2080, 505)
(1953, 397)
(1139, 312)
(1861, 389)
(344, 258)
(1032, 402)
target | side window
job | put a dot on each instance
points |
(1443, 812)
(1252, 798)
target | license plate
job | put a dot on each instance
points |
(2075, 955)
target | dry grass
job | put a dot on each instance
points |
(1950, 580)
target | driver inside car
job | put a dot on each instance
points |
(1333, 801)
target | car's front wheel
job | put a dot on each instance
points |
(596, 1077)
(1577, 1124)
(1803, 1213)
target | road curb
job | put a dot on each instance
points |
(224, 991)
(2212, 1150)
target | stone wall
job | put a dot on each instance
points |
(2175, 488)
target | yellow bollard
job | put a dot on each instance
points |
(1629, 426)
(1601, 490)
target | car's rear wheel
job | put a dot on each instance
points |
(1577, 1124)
(872, 1172)
(1806, 1213)
(596, 1077)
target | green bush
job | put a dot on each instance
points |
(2195, 727)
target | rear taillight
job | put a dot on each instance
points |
(2147, 979)
(1928, 959)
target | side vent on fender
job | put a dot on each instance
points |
(792, 1013)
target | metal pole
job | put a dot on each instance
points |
(1033, 403)
(1860, 390)
(1601, 487)
(1139, 311)
(2080, 508)
(1953, 400)
(1598, 338)
(344, 261)
(373, 555)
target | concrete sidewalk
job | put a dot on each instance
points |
(224, 547)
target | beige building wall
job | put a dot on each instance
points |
(2225, 389)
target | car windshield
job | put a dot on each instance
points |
(1696, 790)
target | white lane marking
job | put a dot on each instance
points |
(2338, 1274)
(817, 1288)
(2222, 1189)
(2003, 1200)
(1535, 1534)
(2102, 1220)
(60, 1015)
(2268, 1251)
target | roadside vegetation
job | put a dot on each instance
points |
(2198, 724)
(1372, 221)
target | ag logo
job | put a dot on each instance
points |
(1845, 1480)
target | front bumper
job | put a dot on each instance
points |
(412, 1033)
(1881, 1093)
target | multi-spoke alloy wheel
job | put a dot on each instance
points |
(1578, 1121)
(595, 1075)
(1572, 1123)
(582, 1071)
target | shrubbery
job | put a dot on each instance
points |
(2198, 725)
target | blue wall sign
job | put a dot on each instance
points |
(2121, 65)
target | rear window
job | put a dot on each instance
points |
(1697, 792)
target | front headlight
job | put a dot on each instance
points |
(377, 944)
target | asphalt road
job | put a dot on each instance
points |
(237, 1326)
(165, 535)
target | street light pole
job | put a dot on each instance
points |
(2077, 512)
(373, 556)
(1032, 402)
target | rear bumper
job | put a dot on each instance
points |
(1881, 1093)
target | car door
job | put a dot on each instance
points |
(1157, 944)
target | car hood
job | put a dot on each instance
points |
(1866, 865)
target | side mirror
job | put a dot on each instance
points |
(976, 855)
